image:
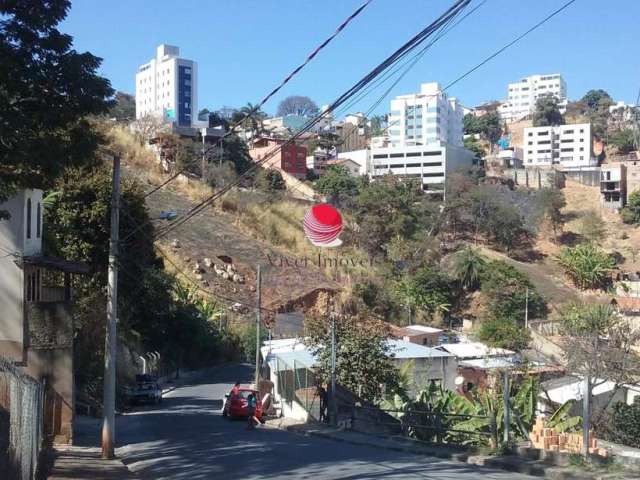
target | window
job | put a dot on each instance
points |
(432, 164)
(582, 149)
(568, 131)
(530, 143)
(412, 165)
(544, 142)
(546, 132)
(38, 220)
(531, 134)
(413, 154)
(28, 218)
(437, 174)
(380, 156)
(33, 286)
(396, 155)
(566, 149)
(431, 154)
(566, 140)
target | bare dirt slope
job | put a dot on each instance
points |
(212, 234)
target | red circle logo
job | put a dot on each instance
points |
(322, 225)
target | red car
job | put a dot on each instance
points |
(235, 406)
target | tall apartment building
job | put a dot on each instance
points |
(523, 94)
(167, 87)
(425, 139)
(426, 118)
(564, 146)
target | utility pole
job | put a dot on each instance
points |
(526, 310)
(110, 342)
(586, 414)
(507, 412)
(204, 153)
(258, 307)
(334, 405)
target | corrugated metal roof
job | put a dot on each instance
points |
(473, 350)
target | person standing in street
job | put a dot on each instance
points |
(251, 411)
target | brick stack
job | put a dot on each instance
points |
(546, 438)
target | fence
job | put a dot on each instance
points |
(426, 425)
(297, 383)
(21, 422)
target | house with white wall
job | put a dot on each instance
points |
(36, 325)
(562, 146)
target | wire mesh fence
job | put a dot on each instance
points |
(21, 422)
(297, 383)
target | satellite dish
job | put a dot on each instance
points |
(458, 381)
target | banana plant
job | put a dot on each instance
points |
(561, 421)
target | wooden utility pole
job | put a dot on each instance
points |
(334, 404)
(507, 409)
(110, 342)
(258, 307)
(526, 310)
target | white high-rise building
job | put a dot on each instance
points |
(167, 87)
(563, 146)
(426, 118)
(523, 94)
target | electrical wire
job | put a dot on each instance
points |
(402, 52)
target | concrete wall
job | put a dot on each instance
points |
(535, 177)
(443, 369)
(50, 357)
(12, 334)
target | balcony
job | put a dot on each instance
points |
(609, 186)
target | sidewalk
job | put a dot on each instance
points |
(511, 463)
(73, 463)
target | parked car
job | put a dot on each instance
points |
(146, 389)
(235, 406)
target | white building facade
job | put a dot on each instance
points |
(429, 164)
(167, 87)
(426, 118)
(523, 94)
(562, 146)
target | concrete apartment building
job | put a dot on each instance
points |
(426, 118)
(617, 181)
(290, 158)
(166, 87)
(36, 326)
(562, 146)
(425, 139)
(523, 94)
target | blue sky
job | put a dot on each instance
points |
(245, 47)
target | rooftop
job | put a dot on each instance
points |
(471, 350)
(421, 329)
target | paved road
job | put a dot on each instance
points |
(187, 438)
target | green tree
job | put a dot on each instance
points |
(475, 147)
(269, 180)
(623, 140)
(509, 293)
(46, 91)
(631, 212)
(429, 290)
(596, 107)
(587, 265)
(471, 124)
(337, 180)
(552, 201)
(251, 117)
(467, 268)
(626, 423)
(503, 333)
(597, 99)
(124, 107)
(378, 124)
(363, 361)
(547, 112)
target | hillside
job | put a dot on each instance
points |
(213, 234)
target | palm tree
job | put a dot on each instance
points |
(468, 267)
(252, 119)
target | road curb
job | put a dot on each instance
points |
(512, 464)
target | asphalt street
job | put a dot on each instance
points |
(186, 438)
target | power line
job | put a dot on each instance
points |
(400, 53)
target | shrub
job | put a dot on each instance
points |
(587, 266)
(504, 333)
(626, 423)
(631, 213)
